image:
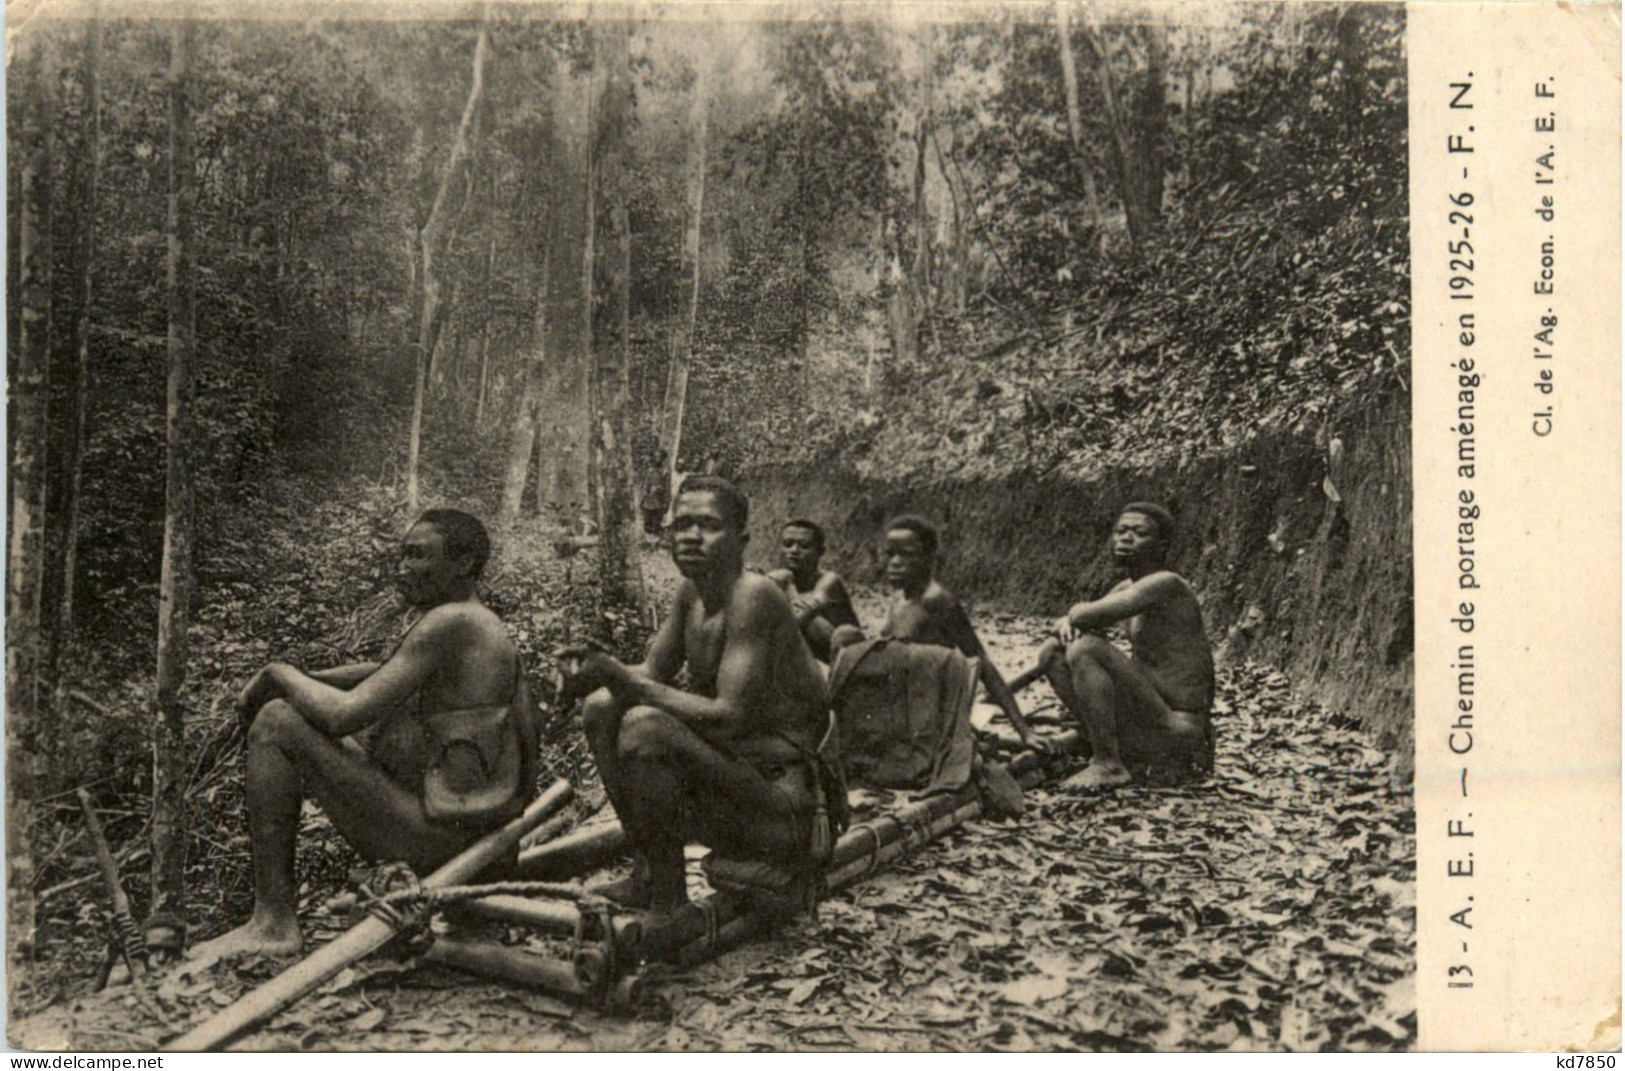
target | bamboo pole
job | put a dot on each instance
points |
(551, 915)
(364, 938)
(504, 964)
(586, 849)
(493, 960)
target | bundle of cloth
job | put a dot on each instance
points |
(903, 711)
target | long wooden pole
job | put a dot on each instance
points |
(576, 853)
(364, 938)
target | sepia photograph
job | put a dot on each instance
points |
(842, 527)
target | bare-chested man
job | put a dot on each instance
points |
(923, 611)
(1151, 709)
(458, 658)
(818, 596)
(726, 763)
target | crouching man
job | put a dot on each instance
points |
(1150, 710)
(817, 596)
(447, 744)
(731, 762)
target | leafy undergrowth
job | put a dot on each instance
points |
(1272, 907)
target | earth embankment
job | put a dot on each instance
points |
(1299, 544)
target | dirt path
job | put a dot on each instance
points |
(1272, 907)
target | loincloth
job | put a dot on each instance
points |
(787, 882)
(790, 798)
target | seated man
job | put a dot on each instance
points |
(461, 667)
(730, 763)
(1151, 709)
(818, 596)
(923, 611)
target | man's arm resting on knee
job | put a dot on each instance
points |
(339, 711)
(740, 678)
(263, 687)
(1120, 605)
(346, 676)
(829, 591)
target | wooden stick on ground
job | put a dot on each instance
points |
(125, 918)
(364, 938)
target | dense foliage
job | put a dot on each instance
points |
(912, 261)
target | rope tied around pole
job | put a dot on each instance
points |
(396, 897)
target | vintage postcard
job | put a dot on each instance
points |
(812, 527)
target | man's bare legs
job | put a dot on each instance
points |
(1121, 711)
(601, 717)
(659, 766)
(288, 757)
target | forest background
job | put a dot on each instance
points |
(276, 284)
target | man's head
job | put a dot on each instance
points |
(708, 526)
(442, 557)
(911, 550)
(1142, 535)
(801, 544)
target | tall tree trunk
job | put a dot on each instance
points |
(682, 349)
(1125, 154)
(805, 210)
(1151, 129)
(611, 468)
(959, 281)
(552, 418)
(1351, 60)
(74, 465)
(1074, 117)
(435, 239)
(959, 278)
(25, 564)
(922, 136)
(175, 582)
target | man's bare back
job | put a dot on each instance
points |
(1169, 641)
(473, 663)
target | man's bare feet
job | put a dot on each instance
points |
(1096, 776)
(255, 937)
